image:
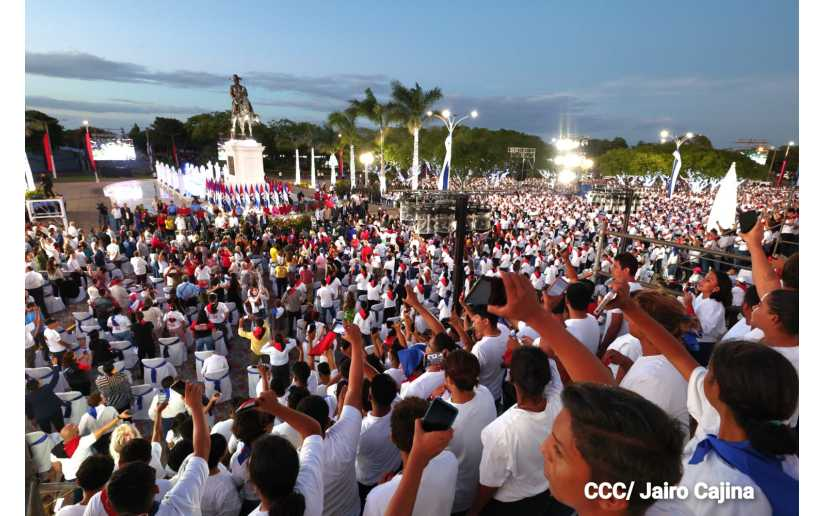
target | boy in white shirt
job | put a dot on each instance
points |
(377, 455)
(92, 475)
(435, 493)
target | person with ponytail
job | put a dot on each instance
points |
(287, 483)
(747, 451)
(708, 307)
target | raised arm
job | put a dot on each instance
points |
(200, 436)
(764, 277)
(412, 301)
(569, 271)
(666, 343)
(303, 424)
(108, 427)
(356, 366)
(157, 426)
(522, 305)
(457, 324)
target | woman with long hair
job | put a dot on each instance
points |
(708, 308)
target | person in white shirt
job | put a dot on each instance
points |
(174, 404)
(92, 476)
(132, 487)
(624, 268)
(709, 309)
(435, 494)
(326, 298)
(651, 375)
(220, 497)
(377, 455)
(139, 266)
(742, 404)
(579, 323)
(476, 410)
(743, 330)
(489, 349)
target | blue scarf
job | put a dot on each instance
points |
(244, 454)
(766, 472)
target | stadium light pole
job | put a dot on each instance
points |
(452, 123)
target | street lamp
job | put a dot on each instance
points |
(366, 159)
(452, 123)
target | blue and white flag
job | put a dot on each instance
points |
(674, 174)
(444, 176)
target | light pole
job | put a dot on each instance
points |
(664, 134)
(451, 122)
(89, 150)
(366, 159)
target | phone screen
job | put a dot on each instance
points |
(747, 220)
(607, 299)
(488, 290)
(440, 416)
(559, 287)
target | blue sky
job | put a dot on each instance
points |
(728, 69)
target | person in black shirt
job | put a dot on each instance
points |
(77, 377)
(142, 334)
(101, 351)
(42, 405)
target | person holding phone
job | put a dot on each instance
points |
(435, 493)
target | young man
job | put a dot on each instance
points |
(132, 487)
(377, 455)
(489, 349)
(476, 410)
(579, 323)
(436, 491)
(624, 269)
(220, 496)
(92, 475)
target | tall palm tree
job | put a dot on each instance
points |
(382, 115)
(410, 106)
(344, 123)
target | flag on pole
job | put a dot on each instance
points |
(175, 153)
(89, 151)
(149, 152)
(444, 176)
(674, 173)
(47, 153)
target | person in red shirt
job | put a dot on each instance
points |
(366, 253)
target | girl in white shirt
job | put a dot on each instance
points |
(753, 390)
(709, 309)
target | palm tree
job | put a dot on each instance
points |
(344, 123)
(381, 115)
(410, 106)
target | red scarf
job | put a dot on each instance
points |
(70, 446)
(258, 332)
(444, 281)
(390, 295)
(323, 345)
(363, 314)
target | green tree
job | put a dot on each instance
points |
(409, 106)
(380, 114)
(36, 123)
(345, 127)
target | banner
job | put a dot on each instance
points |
(89, 151)
(47, 154)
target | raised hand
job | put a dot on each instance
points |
(193, 395)
(426, 445)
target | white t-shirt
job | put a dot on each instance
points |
(511, 458)
(743, 331)
(220, 496)
(377, 455)
(71, 510)
(138, 265)
(325, 295)
(711, 315)
(52, 337)
(422, 386)
(627, 345)
(72, 464)
(340, 448)
(435, 494)
(290, 434)
(397, 374)
(657, 380)
(185, 497)
(95, 506)
(473, 417)
(586, 330)
(490, 353)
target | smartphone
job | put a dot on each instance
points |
(440, 416)
(370, 350)
(179, 386)
(162, 397)
(393, 319)
(488, 290)
(747, 220)
(559, 287)
(433, 359)
(607, 299)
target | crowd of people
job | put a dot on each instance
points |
(343, 325)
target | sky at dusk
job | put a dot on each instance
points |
(728, 69)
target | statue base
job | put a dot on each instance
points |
(245, 161)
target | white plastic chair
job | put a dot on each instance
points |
(130, 353)
(40, 445)
(220, 343)
(234, 315)
(156, 369)
(141, 400)
(200, 356)
(220, 382)
(173, 349)
(44, 375)
(252, 378)
(75, 406)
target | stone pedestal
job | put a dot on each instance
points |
(245, 160)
